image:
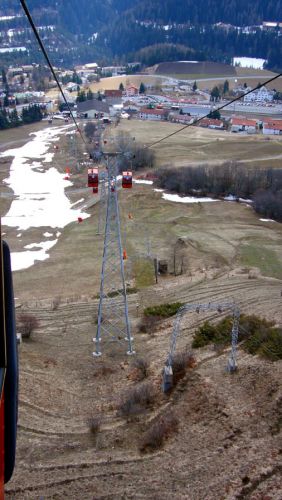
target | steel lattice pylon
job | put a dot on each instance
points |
(210, 306)
(113, 318)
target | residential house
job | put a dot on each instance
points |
(272, 127)
(112, 93)
(211, 123)
(260, 95)
(178, 118)
(98, 109)
(131, 90)
(152, 114)
(243, 125)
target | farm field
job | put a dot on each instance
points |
(196, 145)
(228, 442)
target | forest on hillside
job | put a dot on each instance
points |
(122, 29)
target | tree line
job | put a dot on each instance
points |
(11, 119)
(263, 186)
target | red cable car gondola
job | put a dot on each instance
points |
(127, 179)
(93, 178)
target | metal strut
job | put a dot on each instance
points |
(113, 318)
(102, 203)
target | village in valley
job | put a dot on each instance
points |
(92, 94)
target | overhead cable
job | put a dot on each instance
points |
(35, 31)
(198, 120)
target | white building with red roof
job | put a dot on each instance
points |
(152, 114)
(243, 125)
(272, 127)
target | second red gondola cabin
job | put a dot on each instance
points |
(127, 179)
(93, 178)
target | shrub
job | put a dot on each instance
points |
(27, 324)
(266, 342)
(155, 436)
(258, 335)
(148, 324)
(204, 335)
(94, 425)
(55, 303)
(163, 310)
(142, 367)
(137, 399)
(180, 363)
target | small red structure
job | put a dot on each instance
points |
(67, 170)
(93, 178)
(124, 255)
(66, 178)
(79, 219)
(127, 179)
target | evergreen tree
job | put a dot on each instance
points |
(14, 118)
(89, 95)
(31, 114)
(215, 94)
(121, 87)
(194, 88)
(215, 115)
(142, 88)
(75, 78)
(226, 87)
(4, 123)
(5, 81)
(81, 96)
(6, 101)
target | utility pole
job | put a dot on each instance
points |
(113, 318)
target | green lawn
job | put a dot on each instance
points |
(263, 258)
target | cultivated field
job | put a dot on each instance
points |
(228, 444)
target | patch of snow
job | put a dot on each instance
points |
(12, 49)
(19, 235)
(249, 62)
(185, 199)
(41, 200)
(267, 220)
(58, 234)
(159, 190)
(139, 181)
(7, 18)
(48, 157)
(230, 197)
(47, 235)
(78, 201)
(245, 200)
(23, 260)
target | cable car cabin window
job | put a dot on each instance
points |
(93, 177)
(95, 190)
(127, 179)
